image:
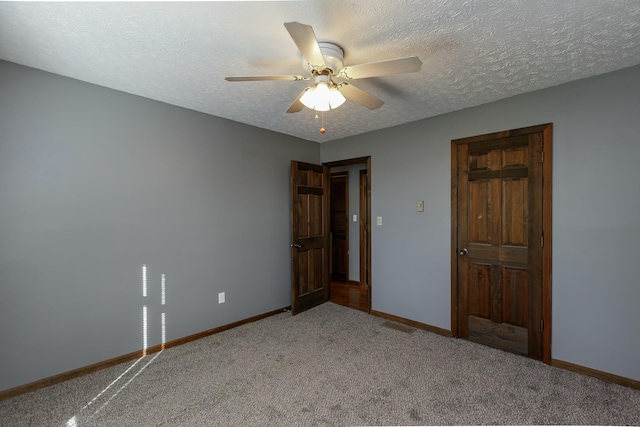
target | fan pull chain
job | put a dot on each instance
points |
(322, 129)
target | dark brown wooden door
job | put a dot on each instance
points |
(500, 240)
(340, 226)
(309, 235)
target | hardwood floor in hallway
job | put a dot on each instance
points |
(350, 294)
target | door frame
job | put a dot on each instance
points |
(547, 133)
(356, 161)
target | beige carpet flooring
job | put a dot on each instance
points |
(329, 366)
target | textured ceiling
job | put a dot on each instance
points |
(473, 52)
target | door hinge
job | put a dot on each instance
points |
(543, 157)
(542, 241)
(541, 325)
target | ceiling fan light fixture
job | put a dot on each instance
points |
(336, 99)
(322, 96)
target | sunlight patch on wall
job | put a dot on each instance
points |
(76, 420)
(144, 280)
(145, 336)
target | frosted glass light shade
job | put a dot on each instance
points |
(322, 97)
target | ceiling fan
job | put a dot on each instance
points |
(325, 61)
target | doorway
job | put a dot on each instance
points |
(350, 230)
(501, 240)
(339, 228)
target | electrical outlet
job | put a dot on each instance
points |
(221, 298)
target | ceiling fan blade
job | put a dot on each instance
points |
(305, 39)
(263, 78)
(297, 105)
(410, 64)
(361, 97)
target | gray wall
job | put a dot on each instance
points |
(596, 201)
(94, 183)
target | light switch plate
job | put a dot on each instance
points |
(420, 205)
(379, 220)
(355, 218)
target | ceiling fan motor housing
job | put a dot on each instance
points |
(333, 57)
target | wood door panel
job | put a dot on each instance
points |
(496, 294)
(487, 143)
(315, 268)
(303, 215)
(310, 190)
(302, 180)
(303, 273)
(479, 162)
(516, 257)
(479, 212)
(308, 243)
(516, 172)
(514, 285)
(515, 211)
(479, 290)
(498, 194)
(505, 337)
(316, 221)
(515, 157)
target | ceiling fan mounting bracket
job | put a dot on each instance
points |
(333, 59)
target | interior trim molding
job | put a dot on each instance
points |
(347, 162)
(605, 376)
(418, 325)
(46, 382)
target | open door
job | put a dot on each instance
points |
(309, 235)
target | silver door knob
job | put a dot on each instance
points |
(463, 252)
(296, 245)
